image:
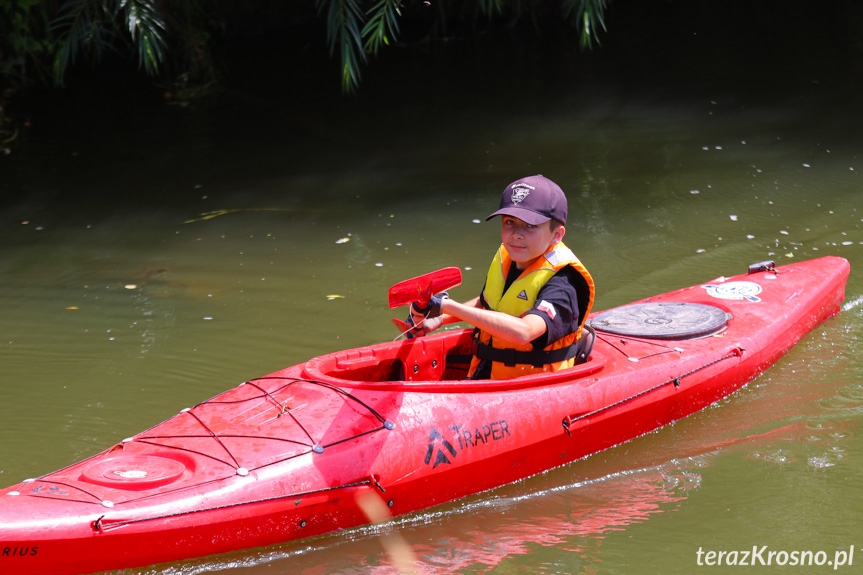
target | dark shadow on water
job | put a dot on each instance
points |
(279, 127)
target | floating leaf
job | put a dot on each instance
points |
(343, 240)
(333, 296)
(217, 213)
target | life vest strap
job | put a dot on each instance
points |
(536, 358)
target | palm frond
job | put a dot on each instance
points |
(491, 7)
(80, 25)
(343, 32)
(147, 29)
(382, 26)
(588, 16)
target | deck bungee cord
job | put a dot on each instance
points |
(570, 419)
(633, 359)
(312, 446)
(101, 525)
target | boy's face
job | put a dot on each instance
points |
(526, 242)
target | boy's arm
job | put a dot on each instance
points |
(519, 330)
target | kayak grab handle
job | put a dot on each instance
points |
(765, 266)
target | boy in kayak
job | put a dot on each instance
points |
(537, 294)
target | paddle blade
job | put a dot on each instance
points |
(421, 288)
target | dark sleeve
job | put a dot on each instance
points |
(557, 305)
(482, 301)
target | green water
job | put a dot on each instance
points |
(160, 257)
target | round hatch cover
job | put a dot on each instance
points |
(134, 472)
(663, 320)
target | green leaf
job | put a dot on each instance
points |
(382, 25)
(147, 29)
(343, 32)
(80, 25)
(588, 16)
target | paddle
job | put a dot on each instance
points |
(421, 288)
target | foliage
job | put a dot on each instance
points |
(382, 25)
(589, 16)
(23, 42)
(343, 34)
(353, 31)
(41, 40)
(23, 46)
(96, 26)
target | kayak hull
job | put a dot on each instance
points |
(292, 454)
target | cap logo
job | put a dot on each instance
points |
(520, 193)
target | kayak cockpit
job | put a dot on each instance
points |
(437, 362)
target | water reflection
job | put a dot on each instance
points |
(492, 532)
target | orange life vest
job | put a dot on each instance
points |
(518, 300)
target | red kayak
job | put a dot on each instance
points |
(289, 455)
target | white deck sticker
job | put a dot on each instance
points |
(734, 290)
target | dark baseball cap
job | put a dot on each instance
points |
(534, 199)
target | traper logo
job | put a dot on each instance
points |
(441, 456)
(466, 437)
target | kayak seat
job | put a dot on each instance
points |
(423, 359)
(584, 344)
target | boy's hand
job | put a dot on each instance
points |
(430, 310)
(420, 326)
(413, 330)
